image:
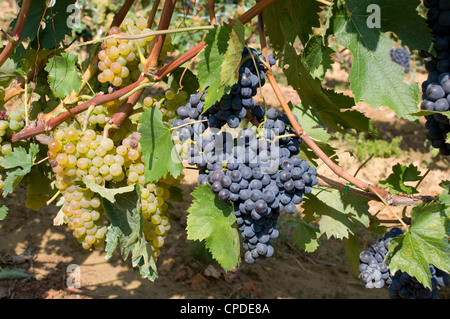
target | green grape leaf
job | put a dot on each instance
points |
(211, 220)
(352, 251)
(444, 197)
(337, 213)
(401, 174)
(38, 187)
(18, 164)
(2, 97)
(313, 126)
(425, 113)
(425, 243)
(317, 57)
(107, 193)
(305, 235)
(126, 232)
(160, 155)
(301, 15)
(334, 109)
(176, 194)
(189, 81)
(63, 76)
(233, 55)
(402, 18)
(31, 56)
(221, 56)
(8, 72)
(14, 273)
(51, 24)
(374, 78)
(3, 212)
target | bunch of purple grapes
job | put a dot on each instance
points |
(232, 107)
(376, 274)
(401, 56)
(436, 88)
(260, 174)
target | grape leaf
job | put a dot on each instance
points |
(401, 174)
(402, 18)
(425, 113)
(317, 57)
(160, 155)
(211, 220)
(338, 213)
(374, 78)
(313, 126)
(189, 81)
(63, 76)
(14, 273)
(305, 235)
(221, 56)
(126, 232)
(233, 55)
(3, 212)
(425, 243)
(39, 188)
(50, 23)
(302, 15)
(334, 109)
(444, 197)
(107, 193)
(352, 251)
(8, 72)
(18, 163)
(287, 20)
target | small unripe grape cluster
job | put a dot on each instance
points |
(167, 103)
(10, 123)
(98, 116)
(119, 59)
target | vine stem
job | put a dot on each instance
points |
(121, 14)
(151, 17)
(17, 32)
(141, 35)
(210, 7)
(389, 207)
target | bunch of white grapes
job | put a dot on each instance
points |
(119, 58)
(74, 155)
(10, 123)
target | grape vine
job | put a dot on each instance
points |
(109, 122)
